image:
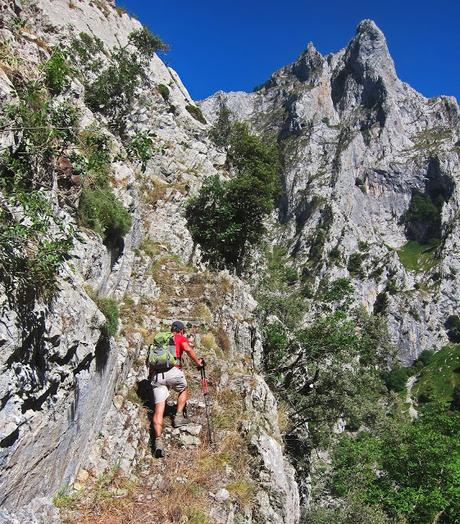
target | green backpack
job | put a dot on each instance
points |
(162, 353)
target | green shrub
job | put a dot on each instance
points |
(102, 211)
(438, 378)
(196, 113)
(381, 303)
(33, 243)
(334, 254)
(140, 148)
(112, 93)
(363, 246)
(146, 42)
(57, 72)
(338, 289)
(426, 357)
(64, 117)
(355, 265)
(398, 469)
(289, 308)
(423, 218)
(84, 50)
(275, 343)
(221, 130)
(452, 325)
(395, 380)
(225, 218)
(290, 275)
(391, 286)
(164, 91)
(94, 161)
(109, 308)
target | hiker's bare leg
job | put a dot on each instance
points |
(181, 400)
(158, 418)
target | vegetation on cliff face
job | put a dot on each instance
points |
(343, 389)
(337, 375)
(53, 157)
(226, 217)
(34, 239)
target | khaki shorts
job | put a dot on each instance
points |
(174, 378)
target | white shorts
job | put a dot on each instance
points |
(174, 378)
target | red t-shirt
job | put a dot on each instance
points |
(179, 339)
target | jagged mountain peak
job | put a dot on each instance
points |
(369, 26)
(368, 52)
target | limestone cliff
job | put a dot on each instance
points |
(72, 403)
(361, 148)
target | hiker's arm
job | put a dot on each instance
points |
(188, 349)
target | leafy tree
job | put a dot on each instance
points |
(220, 132)
(226, 218)
(337, 362)
(395, 380)
(147, 42)
(411, 470)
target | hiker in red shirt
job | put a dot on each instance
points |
(173, 378)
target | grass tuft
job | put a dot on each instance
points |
(418, 257)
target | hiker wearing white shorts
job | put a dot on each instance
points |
(173, 378)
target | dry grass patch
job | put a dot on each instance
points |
(225, 285)
(284, 419)
(153, 191)
(151, 248)
(208, 341)
(223, 340)
(242, 490)
(202, 312)
(163, 268)
(227, 411)
(109, 495)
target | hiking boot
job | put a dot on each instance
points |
(180, 420)
(159, 448)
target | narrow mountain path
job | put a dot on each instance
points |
(195, 476)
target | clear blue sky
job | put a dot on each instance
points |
(236, 44)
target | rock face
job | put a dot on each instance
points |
(359, 145)
(69, 404)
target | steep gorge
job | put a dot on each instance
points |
(368, 216)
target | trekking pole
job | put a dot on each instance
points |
(207, 404)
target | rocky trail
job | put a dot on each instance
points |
(194, 476)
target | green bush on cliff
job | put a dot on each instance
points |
(57, 72)
(147, 42)
(102, 211)
(113, 92)
(109, 308)
(99, 208)
(196, 112)
(31, 255)
(226, 217)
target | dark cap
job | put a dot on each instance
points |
(177, 326)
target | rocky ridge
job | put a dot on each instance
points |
(72, 403)
(358, 144)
